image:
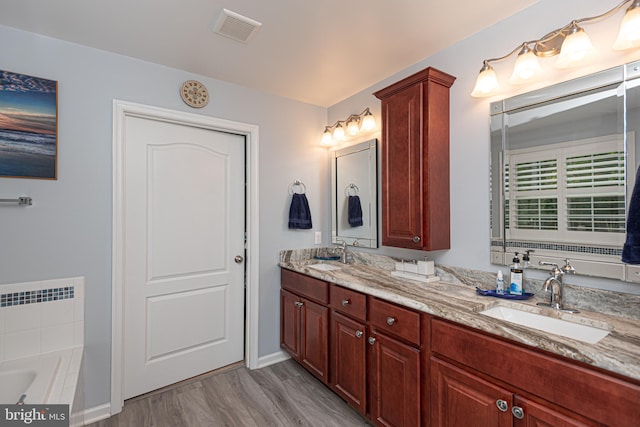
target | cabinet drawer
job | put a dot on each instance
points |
(306, 286)
(349, 302)
(591, 393)
(399, 321)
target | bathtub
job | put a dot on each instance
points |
(32, 377)
(48, 378)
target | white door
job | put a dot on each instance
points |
(184, 226)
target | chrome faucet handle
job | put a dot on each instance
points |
(568, 268)
(548, 263)
(555, 270)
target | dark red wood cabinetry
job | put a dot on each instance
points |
(415, 161)
(400, 367)
(535, 389)
(304, 323)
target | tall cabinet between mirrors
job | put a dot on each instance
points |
(415, 161)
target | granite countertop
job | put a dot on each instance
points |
(457, 301)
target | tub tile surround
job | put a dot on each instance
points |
(454, 298)
(45, 319)
(40, 317)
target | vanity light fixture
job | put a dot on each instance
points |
(571, 43)
(355, 123)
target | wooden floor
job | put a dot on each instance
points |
(279, 395)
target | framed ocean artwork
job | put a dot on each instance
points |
(28, 126)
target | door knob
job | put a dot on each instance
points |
(416, 239)
(502, 405)
(238, 259)
(391, 321)
(372, 340)
(358, 334)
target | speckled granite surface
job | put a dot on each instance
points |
(454, 298)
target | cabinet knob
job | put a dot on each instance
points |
(359, 334)
(502, 405)
(391, 321)
(345, 302)
(416, 239)
(299, 304)
(372, 340)
(517, 412)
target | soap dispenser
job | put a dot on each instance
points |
(515, 277)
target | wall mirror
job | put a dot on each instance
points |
(563, 165)
(354, 195)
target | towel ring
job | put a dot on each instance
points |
(351, 190)
(299, 186)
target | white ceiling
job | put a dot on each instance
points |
(318, 52)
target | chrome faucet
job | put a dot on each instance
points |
(554, 286)
(343, 252)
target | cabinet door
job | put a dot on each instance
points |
(314, 341)
(290, 305)
(348, 360)
(460, 399)
(394, 375)
(401, 169)
(531, 414)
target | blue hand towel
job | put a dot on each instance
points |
(355, 211)
(631, 249)
(299, 212)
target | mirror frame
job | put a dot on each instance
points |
(371, 240)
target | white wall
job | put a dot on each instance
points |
(67, 231)
(470, 117)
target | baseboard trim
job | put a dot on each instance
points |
(272, 359)
(97, 413)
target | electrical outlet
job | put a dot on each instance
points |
(318, 237)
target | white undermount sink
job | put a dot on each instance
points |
(324, 267)
(544, 323)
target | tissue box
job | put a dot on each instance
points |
(425, 268)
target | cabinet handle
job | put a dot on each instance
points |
(416, 239)
(517, 412)
(299, 304)
(391, 321)
(372, 340)
(502, 405)
(345, 302)
(359, 334)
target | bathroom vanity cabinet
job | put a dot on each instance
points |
(304, 322)
(373, 350)
(401, 367)
(478, 379)
(415, 161)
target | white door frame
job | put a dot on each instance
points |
(122, 109)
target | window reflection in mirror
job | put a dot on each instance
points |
(354, 195)
(563, 165)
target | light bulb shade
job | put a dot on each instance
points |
(486, 84)
(575, 48)
(352, 127)
(338, 133)
(629, 34)
(368, 122)
(327, 139)
(525, 68)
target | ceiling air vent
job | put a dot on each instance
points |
(236, 26)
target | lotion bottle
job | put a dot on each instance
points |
(500, 283)
(515, 277)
